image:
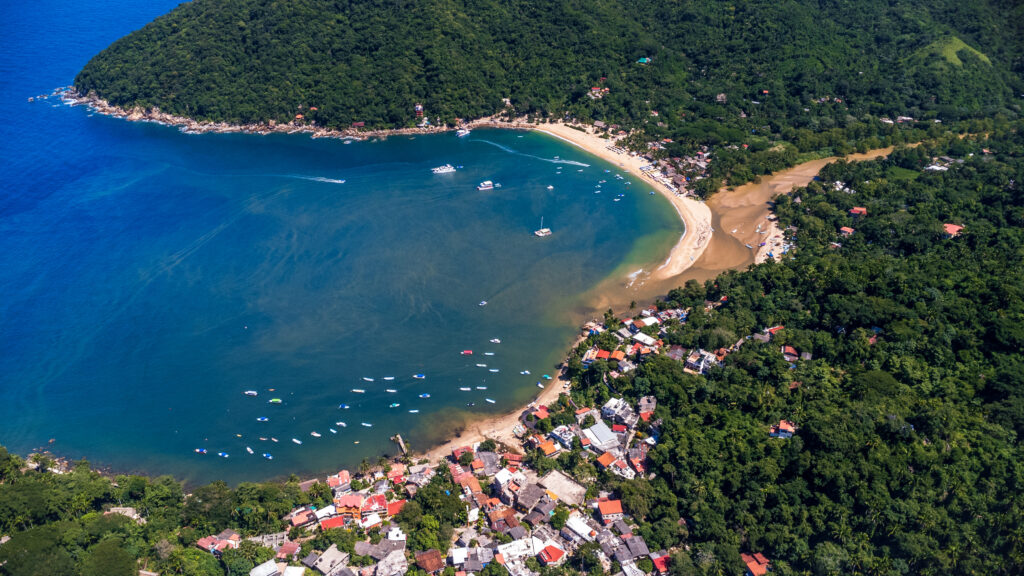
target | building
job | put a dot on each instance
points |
(784, 429)
(430, 561)
(610, 510)
(757, 564)
(858, 211)
(601, 437)
(846, 231)
(551, 555)
(952, 230)
(331, 561)
(268, 568)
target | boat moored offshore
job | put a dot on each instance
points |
(446, 169)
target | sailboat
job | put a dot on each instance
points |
(542, 232)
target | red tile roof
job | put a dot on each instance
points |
(551, 554)
(952, 229)
(606, 459)
(756, 565)
(395, 507)
(336, 522)
(661, 563)
(610, 507)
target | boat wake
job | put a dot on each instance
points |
(316, 179)
(518, 153)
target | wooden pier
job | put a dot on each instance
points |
(397, 438)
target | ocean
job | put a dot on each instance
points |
(149, 278)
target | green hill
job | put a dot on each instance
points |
(369, 61)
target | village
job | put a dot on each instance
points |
(522, 514)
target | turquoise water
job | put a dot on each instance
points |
(149, 277)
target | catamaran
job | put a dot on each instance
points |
(542, 231)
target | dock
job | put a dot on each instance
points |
(397, 438)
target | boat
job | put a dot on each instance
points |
(546, 377)
(272, 439)
(359, 391)
(414, 411)
(481, 387)
(343, 406)
(489, 400)
(249, 450)
(263, 419)
(268, 456)
(367, 424)
(550, 187)
(482, 303)
(222, 454)
(263, 439)
(296, 440)
(493, 370)
(467, 352)
(251, 393)
(465, 388)
(419, 376)
(394, 405)
(487, 185)
(526, 372)
(391, 390)
(367, 379)
(333, 431)
(342, 424)
(424, 395)
(488, 353)
(462, 132)
(748, 246)
(481, 365)
(200, 450)
(495, 341)
(542, 232)
(446, 169)
(314, 434)
(388, 378)
(275, 401)
(539, 385)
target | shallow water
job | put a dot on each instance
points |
(149, 277)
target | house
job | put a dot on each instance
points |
(340, 482)
(700, 360)
(333, 522)
(644, 339)
(618, 410)
(288, 551)
(661, 561)
(331, 561)
(348, 504)
(430, 561)
(551, 555)
(757, 564)
(601, 437)
(762, 338)
(564, 435)
(376, 504)
(784, 429)
(789, 353)
(303, 517)
(858, 211)
(579, 526)
(268, 568)
(220, 542)
(549, 448)
(610, 510)
(395, 507)
(529, 497)
(846, 231)
(394, 564)
(952, 230)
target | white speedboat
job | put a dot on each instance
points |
(314, 434)
(462, 132)
(487, 185)
(446, 169)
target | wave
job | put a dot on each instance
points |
(518, 153)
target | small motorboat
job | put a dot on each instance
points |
(493, 370)
(414, 411)
(481, 387)
(467, 352)
(394, 405)
(488, 353)
(222, 454)
(200, 450)
(539, 385)
(465, 388)
(263, 419)
(249, 450)
(481, 365)
(391, 390)
(272, 439)
(424, 395)
(544, 376)
(296, 440)
(367, 424)
(470, 404)
(263, 439)
(359, 391)
(495, 341)
(333, 431)
(550, 187)
(268, 456)
(342, 424)
(482, 303)
(275, 401)
(489, 400)
(251, 393)
(367, 379)
(343, 406)
(388, 378)
(525, 372)
(314, 434)
(419, 376)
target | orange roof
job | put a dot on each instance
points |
(859, 211)
(582, 411)
(610, 507)
(787, 426)
(395, 507)
(551, 554)
(952, 229)
(541, 412)
(349, 501)
(618, 355)
(477, 464)
(548, 447)
(336, 522)
(757, 564)
(606, 459)
(299, 116)
(846, 230)
(603, 354)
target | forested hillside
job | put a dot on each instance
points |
(791, 64)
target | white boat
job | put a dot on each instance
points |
(462, 132)
(249, 450)
(251, 393)
(424, 395)
(314, 434)
(527, 372)
(488, 353)
(414, 411)
(465, 389)
(489, 400)
(495, 341)
(542, 231)
(389, 378)
(296, 440)
(391, 390)
(481, 387)
(272, 439)
(493, 370)
(482, 303)
(342, 424)
(367, 424)
(550, 187)
(367, 379)
(268, 456)
(419, 376)
(446, 169)
(481, 365)
(394, 405)
(539, 385)
(333, 431)
(359, 391)
(487, 185)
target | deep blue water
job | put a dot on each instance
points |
(148, 278)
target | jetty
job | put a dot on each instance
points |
(397, 439)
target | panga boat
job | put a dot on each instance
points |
(251, 393)
(424, 395)
(487, 185)
(419, 376)
(200, 450)
(489, 400)
(272, 439)
(343, 406)
(481, 365)
(296, 440)
(275, 400)
(222, 454)
(268, 456)
(394, 405)
(391, 390)
(465, 389)
(342, 424)
(414, 411)
(481, 387)
(446, 169)
(333, 431)
(314, 434)
(493, 369)
(467, 352)
(488, 353)
(359, 390)
(249, 450)
(462, 132)
(262, 419)
(367, 424)
(495, 341)
(367, 379)
(389, 378)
